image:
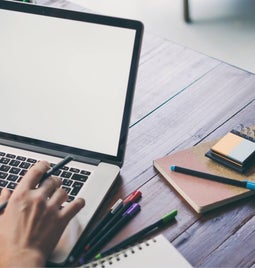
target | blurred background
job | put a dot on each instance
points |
(223, 29)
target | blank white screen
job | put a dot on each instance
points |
(64, 81)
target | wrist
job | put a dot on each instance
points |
(26, 258)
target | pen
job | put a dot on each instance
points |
(59, 165)
(245, 183)
(25, 1)
(50, 172)
(3, 205)
(116, 207)
(133, 197)
(108, 220)
(126, 217)
(113, 210)
(139, 235)
(112, 216)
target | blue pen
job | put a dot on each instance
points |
(126, 217)
(244, 184)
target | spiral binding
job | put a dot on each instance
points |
(118, 256)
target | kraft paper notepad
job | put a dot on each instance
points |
(157, 252)
(203, 195)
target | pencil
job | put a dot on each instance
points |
(139, 235)
(244, 184)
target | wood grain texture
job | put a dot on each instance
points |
(183, 98)
(187, 118)
(165, 70)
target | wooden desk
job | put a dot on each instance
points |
(184, 98)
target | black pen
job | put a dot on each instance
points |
(114, 209)
(125, 218)
(127, 203)
(59, 165)
(244, 184)
(3, 205)
(50, 172)
(105, 224)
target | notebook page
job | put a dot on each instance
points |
(157, 252)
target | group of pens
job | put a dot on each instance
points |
(117, 217)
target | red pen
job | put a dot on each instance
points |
(133, 197)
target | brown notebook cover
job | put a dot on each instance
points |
(203, 195)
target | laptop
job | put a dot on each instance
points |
(67, 82)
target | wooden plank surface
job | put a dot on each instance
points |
(183, 98)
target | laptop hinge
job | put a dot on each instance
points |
(41, 150)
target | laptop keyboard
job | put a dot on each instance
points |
(13, 168)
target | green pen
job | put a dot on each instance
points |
(139, 235)
(25, 1)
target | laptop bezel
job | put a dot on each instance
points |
(59, 150)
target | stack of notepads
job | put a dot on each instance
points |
(235, 150)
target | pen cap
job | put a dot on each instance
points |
(132, 210)
(250, 185)
(172, 168)
(135, 196)
(169, 216)
(117, 206)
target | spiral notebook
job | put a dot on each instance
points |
(157, 252)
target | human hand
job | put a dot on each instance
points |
(32, 222)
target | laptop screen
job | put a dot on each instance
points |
(66, 80)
